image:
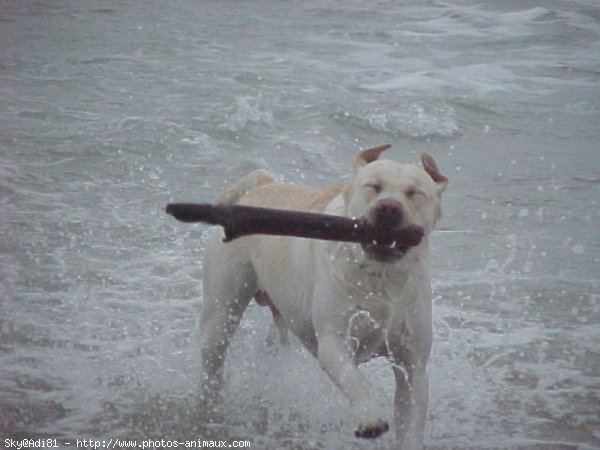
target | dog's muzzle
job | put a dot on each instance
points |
(388, 214)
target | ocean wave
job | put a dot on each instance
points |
(414, 119)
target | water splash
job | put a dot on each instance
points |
(249, 111)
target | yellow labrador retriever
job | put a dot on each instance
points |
(346, 302)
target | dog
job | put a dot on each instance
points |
(345, 302)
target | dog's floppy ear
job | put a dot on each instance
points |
(369, 155)
(431, 168)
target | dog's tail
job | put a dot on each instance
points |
(255, 178)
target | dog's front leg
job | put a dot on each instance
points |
(332, 309)
(410, 405)
(335, 358)
(409, 353)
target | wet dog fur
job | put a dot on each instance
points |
(346, 303)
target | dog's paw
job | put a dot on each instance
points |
(372, 430)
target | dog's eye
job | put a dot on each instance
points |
(412, 192)
(375, 186)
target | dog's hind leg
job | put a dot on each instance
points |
(263, 299)
(229, 284)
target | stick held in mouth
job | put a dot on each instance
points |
(242, 220)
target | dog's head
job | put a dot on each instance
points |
(389, 195)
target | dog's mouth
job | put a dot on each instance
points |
(393, 236)
(385, 251)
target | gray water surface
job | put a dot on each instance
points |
(110, 110)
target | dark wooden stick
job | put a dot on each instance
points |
(241, 220)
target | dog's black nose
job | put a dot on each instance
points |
(388, 213)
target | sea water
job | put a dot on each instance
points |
(110, 110)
